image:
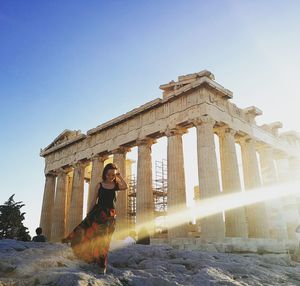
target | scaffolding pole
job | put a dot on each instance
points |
(159, 188)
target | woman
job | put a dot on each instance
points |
(90, 240)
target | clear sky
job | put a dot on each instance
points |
(76, 64)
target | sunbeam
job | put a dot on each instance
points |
(208, 207)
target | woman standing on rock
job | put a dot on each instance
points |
(90, 240)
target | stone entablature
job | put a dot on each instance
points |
(198, 95)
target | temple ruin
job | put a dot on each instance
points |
(194, 100)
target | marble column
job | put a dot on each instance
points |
(68, 202)
(291, 215)
(176, 181)
(212, 227)
(235, 219)
(96, 177)
(58, 216)
(119, 158)
(290, 203)
(76, 206)
(144, 192)
(282, 166)
(268, 169)
(256, 213)
(277, 226)
(294, 168)
(48, 205)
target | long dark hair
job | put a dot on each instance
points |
(109, 166)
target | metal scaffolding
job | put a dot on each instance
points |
(131, 181)
(159, 187)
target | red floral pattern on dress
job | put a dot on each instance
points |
(90, 240)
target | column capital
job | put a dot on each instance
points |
(121, 150)
(169, 131)
(52, 173)
(225, 129)
(204, 119)
(245, 139)
(145, 141)
(261, 147)
(80, 164)
(70, 174)
(63, 170)
(99, 157)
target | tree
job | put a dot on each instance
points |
(11, 225)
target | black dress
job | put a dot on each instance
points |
(90, 240)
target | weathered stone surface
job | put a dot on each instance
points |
(139, 265)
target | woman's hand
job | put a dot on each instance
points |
(118, 177)
(121, 182)
(118, 180)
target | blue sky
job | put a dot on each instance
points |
(76, 64)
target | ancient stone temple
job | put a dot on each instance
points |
(194, 100)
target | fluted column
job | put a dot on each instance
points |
(68, 202)
(48, 205)
(290, 204)
(268, 169)
(96, 177)
(144, 193)
(212, 227)
(76, 206)
(176, 180)
(119, 158)
(294, 168)
(277, 226)
(235, 219)
(59, 219)
(256, 213)
(282, 165)
(291, 215)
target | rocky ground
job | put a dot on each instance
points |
(28, 263)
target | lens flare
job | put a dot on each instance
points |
(223, 202)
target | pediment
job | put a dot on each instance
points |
(64, 137)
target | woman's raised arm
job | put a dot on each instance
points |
(121, 182)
